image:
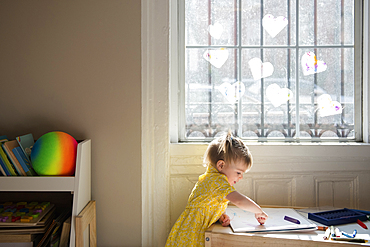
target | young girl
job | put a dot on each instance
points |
(227, 158)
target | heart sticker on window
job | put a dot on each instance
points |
(216, 57)
(273, 25)
(277, 95)
(232, 92)
(328, 107)
(310, 65)
(215, 30)
(259, 69)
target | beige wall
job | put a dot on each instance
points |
(74, 66)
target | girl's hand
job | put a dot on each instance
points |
(224, 220)
(261, 217)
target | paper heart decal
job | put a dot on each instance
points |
(328, 107)
(259, 69)
(310, 65)
(274, 25)
(215, 30)
(232, 92)
(216, 57)
(277, 95)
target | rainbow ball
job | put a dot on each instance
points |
(54, 153)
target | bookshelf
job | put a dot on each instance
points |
(70, 191)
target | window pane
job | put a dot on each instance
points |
(210, 22)
(196, 19)
(206, 104)
(251, 22)
(281, 13)
(276, 18)
(328, 23)
(306, 22)
(252, 100)
(327, 99)
(270, 110)
(348, 14)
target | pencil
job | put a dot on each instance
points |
(322, 228)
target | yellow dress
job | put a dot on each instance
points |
(205, 206)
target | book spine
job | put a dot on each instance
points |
(10, 166)
(2, 171)
(13, 160)
(4, 168)
(23, 161)
(27, 161)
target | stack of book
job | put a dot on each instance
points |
(34, 224)
(15, 156)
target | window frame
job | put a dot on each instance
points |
(177, 85)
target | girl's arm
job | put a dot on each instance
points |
(244, 202)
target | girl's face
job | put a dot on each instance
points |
(234, 171)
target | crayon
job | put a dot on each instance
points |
(287, 218)
(337, 232)
(332, 232)
(356, 240)
(347, 235)
(362, 224)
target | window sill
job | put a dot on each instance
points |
(290, 157)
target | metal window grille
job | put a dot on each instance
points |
(254, 116)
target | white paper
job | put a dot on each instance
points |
(243, 221)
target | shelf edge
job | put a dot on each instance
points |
(37, 183)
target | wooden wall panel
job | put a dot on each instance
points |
(281, 184)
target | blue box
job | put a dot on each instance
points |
(337, 217)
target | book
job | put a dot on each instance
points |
(3, 138)
(17, 238)
(2, 171)
(45, 240)
(8, 147)
(22, 159)
(3, 168)
(26, 143)
(64, 237)
(6, 161)
(55, 242)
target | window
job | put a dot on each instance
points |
(259, 67)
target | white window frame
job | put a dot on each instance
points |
(177, 42)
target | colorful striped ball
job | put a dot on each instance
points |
(54, 154)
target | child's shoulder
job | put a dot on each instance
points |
(213, 177)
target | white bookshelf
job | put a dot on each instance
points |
(79, 186)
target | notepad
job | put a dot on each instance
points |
(244, 221)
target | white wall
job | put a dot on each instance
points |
(75, 66)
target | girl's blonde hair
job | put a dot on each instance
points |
(228, 148)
